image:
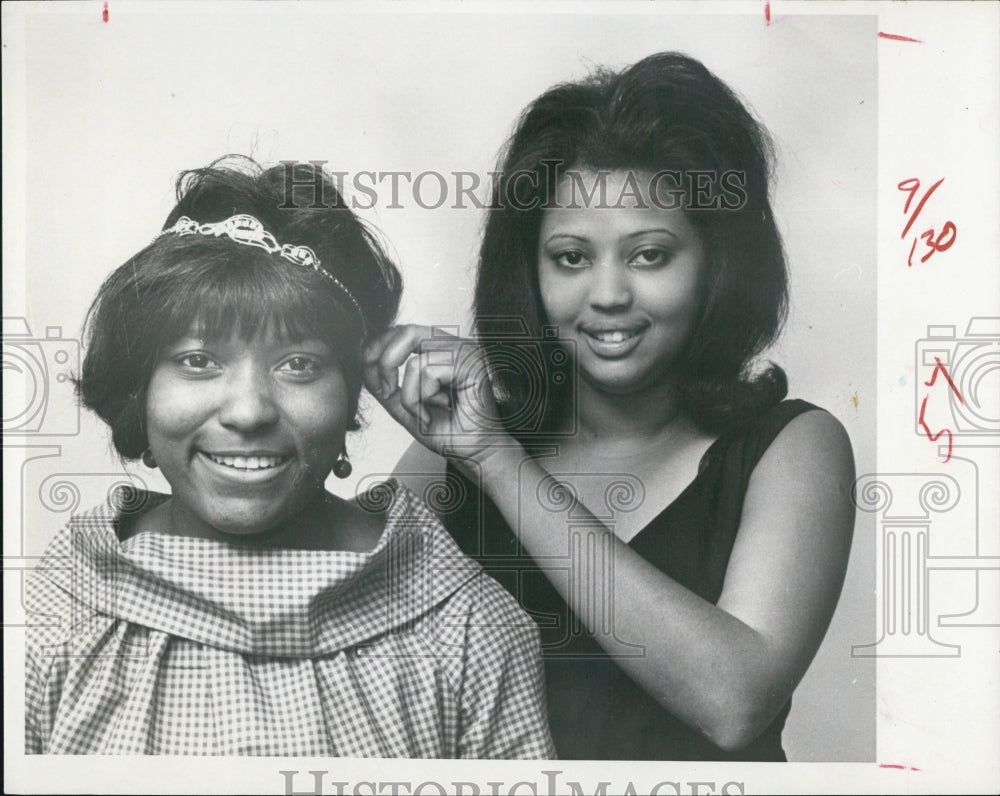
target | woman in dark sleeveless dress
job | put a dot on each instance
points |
(678, 530)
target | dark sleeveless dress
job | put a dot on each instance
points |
(596, 711)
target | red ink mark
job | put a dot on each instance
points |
(767, 12)
(943, 240)
(897, 37)
(897, 766)
(930, 434)
(104, 13)
(939, 367)
(911, 186)
(938, 244)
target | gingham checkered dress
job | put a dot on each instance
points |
(174, 645)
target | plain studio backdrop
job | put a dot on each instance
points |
(115, 110)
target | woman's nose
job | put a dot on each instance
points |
(247, 403)
(610, 288)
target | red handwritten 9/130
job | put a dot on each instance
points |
(933, 243)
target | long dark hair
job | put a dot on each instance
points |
(665, 113)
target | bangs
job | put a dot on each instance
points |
(215, 290)
(224, 288)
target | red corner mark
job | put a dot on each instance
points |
(897, 37)
(104, 12)
(897, 766)
(767, 12)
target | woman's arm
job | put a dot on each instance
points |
(728, 668)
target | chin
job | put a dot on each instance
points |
(247, 520)
(629, 378)
(619, 383)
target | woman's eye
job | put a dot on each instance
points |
(571, 259)
(301, 365)
(196, 361)
(650, 258)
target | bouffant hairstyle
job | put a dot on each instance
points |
(665, 113)
(220, 287)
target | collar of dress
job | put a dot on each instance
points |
(292, 603)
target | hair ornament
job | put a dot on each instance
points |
(249, 231)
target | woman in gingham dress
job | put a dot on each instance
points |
(250, 611)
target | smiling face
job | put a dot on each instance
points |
(622, 282)
(246, 432)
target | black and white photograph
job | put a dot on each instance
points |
(479, 398)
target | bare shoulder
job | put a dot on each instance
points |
(814, 437)
(798, 503)
(806, 472)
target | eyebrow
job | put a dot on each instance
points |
(567, 236)
(630, 236)
(662, 230)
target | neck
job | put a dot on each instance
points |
(640, 416)
(326, 523)
(294, 532)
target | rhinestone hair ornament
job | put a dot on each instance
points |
(249, 231)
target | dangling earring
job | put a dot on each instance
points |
(148, 460)
(342, 467)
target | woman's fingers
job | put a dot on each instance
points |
(372, 379)
(392, 347)
(426, 385)
(425, 356)
(444, 379)
(378, 371)
(390, 350)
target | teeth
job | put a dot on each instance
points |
(248, 462)
(613, 337)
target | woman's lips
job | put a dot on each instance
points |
(254, 466)
(617, 336)
(248, 462)
(612, 343)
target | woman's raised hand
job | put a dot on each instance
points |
(445, 399)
